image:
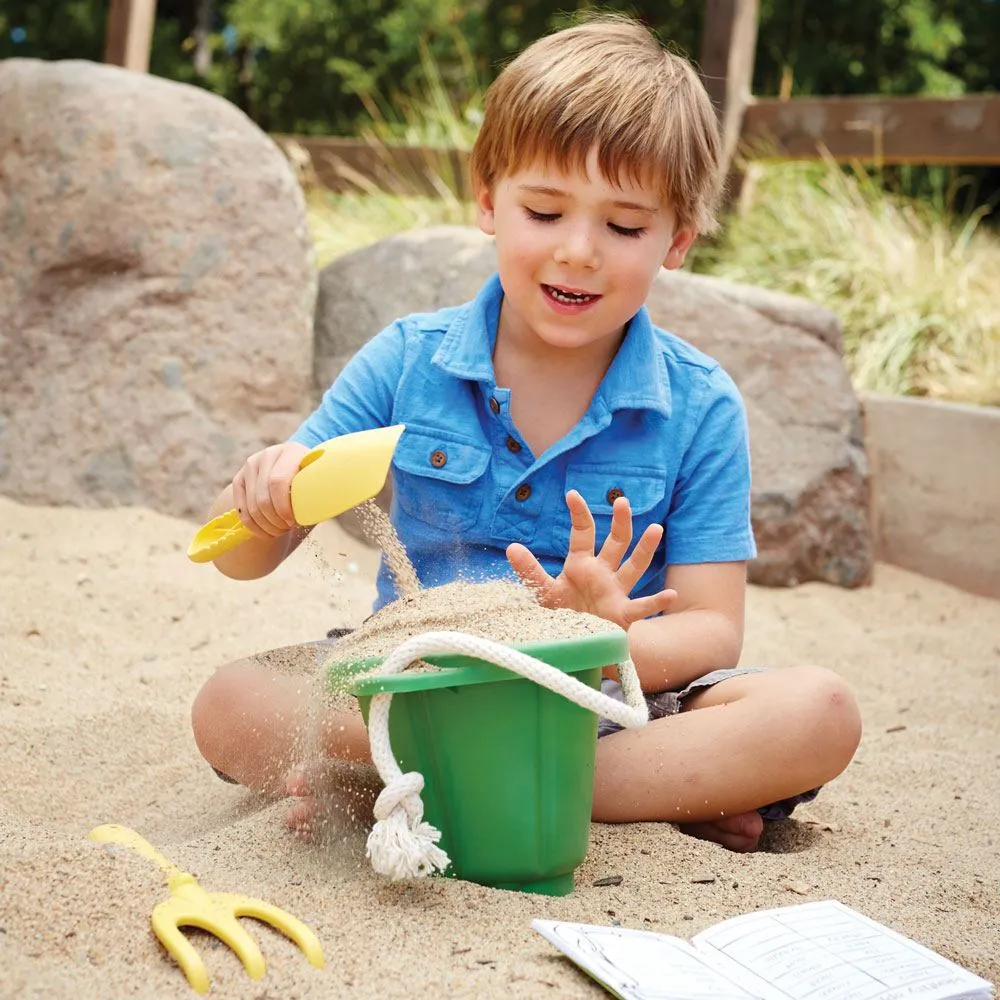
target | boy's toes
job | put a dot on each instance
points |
(739, 833)
(329, 794)
(301, 817)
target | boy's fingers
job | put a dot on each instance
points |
(620, 536)
(243, 507)
(642, 555)
(286, 464)
(264, 513)
(582, 532)
(527, 567)
(275, 468)
(647, 607)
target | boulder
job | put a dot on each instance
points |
(810, 472)
(157, 289)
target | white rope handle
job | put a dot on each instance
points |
(401, 844)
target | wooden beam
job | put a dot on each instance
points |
(129, 34)
(961, 130)
(728, 46)
(356, 165)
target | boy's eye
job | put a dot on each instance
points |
(542, 216)
(625, 231)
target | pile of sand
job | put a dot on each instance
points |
(501, 610)
(108, 632)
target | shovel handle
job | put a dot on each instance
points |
(220, 535)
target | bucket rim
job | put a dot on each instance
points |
(569, 655)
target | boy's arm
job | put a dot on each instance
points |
(359, 399)
(702, 632)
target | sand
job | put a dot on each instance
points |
(108, 631)
(500, 610)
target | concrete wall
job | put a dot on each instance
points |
(936, 489)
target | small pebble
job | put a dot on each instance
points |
(609, 880)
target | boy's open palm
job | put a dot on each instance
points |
(598, 584)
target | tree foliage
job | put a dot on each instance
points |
(322, 65)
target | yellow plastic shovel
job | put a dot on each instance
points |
(216, 912)
(332, 478)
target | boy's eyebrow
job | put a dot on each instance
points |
(545, 189)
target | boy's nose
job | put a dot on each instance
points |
(578, 248)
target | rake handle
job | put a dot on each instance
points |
(113, 833)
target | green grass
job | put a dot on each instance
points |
(915, 288)
(343, 222)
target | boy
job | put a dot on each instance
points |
(597, 164)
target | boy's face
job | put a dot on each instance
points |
(577, 254)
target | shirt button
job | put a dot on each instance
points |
(614, 493)
(513, 445)
(438, 459)
(494, 405)
(522, 492)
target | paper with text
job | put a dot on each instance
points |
(827, 951)
(639, 965)
(814, 951)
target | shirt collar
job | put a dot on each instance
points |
(466, 350)
(637, 378)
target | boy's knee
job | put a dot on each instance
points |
(831, 711)
(215, 699)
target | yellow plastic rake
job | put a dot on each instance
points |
(216, 912)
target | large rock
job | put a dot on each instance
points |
(810, 492)
(157, 288)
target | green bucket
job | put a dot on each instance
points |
(508, 765)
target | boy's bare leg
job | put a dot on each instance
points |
(746, 742)
(255, 719)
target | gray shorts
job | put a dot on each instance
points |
(665, 703)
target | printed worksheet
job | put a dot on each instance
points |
(640, 965)
(827, 951)
(814, 951)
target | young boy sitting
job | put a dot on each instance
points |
(549, 416)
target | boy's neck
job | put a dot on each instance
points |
(516, 349)
(551, 387)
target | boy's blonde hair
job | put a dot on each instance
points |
(606, 83)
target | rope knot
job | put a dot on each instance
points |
(404, 792)
(400, 844)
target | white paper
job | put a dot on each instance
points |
(814, 951)
(639, 965)
(826, 951)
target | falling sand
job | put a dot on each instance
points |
(380, 532)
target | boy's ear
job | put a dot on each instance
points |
(485, 216)
(679, 246)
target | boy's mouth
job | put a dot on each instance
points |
(569, 297)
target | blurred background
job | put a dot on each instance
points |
(904, 248)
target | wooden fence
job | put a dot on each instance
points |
(964, 130)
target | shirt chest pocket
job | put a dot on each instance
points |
(601, 485)
(438, 478)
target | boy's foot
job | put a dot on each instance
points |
(737, 833)
(328, 795)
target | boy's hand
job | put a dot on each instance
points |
(599, 584)
(262, 489)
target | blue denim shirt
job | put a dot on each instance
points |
(666, 428)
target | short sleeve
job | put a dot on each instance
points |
(709, 516)
(362, 395)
